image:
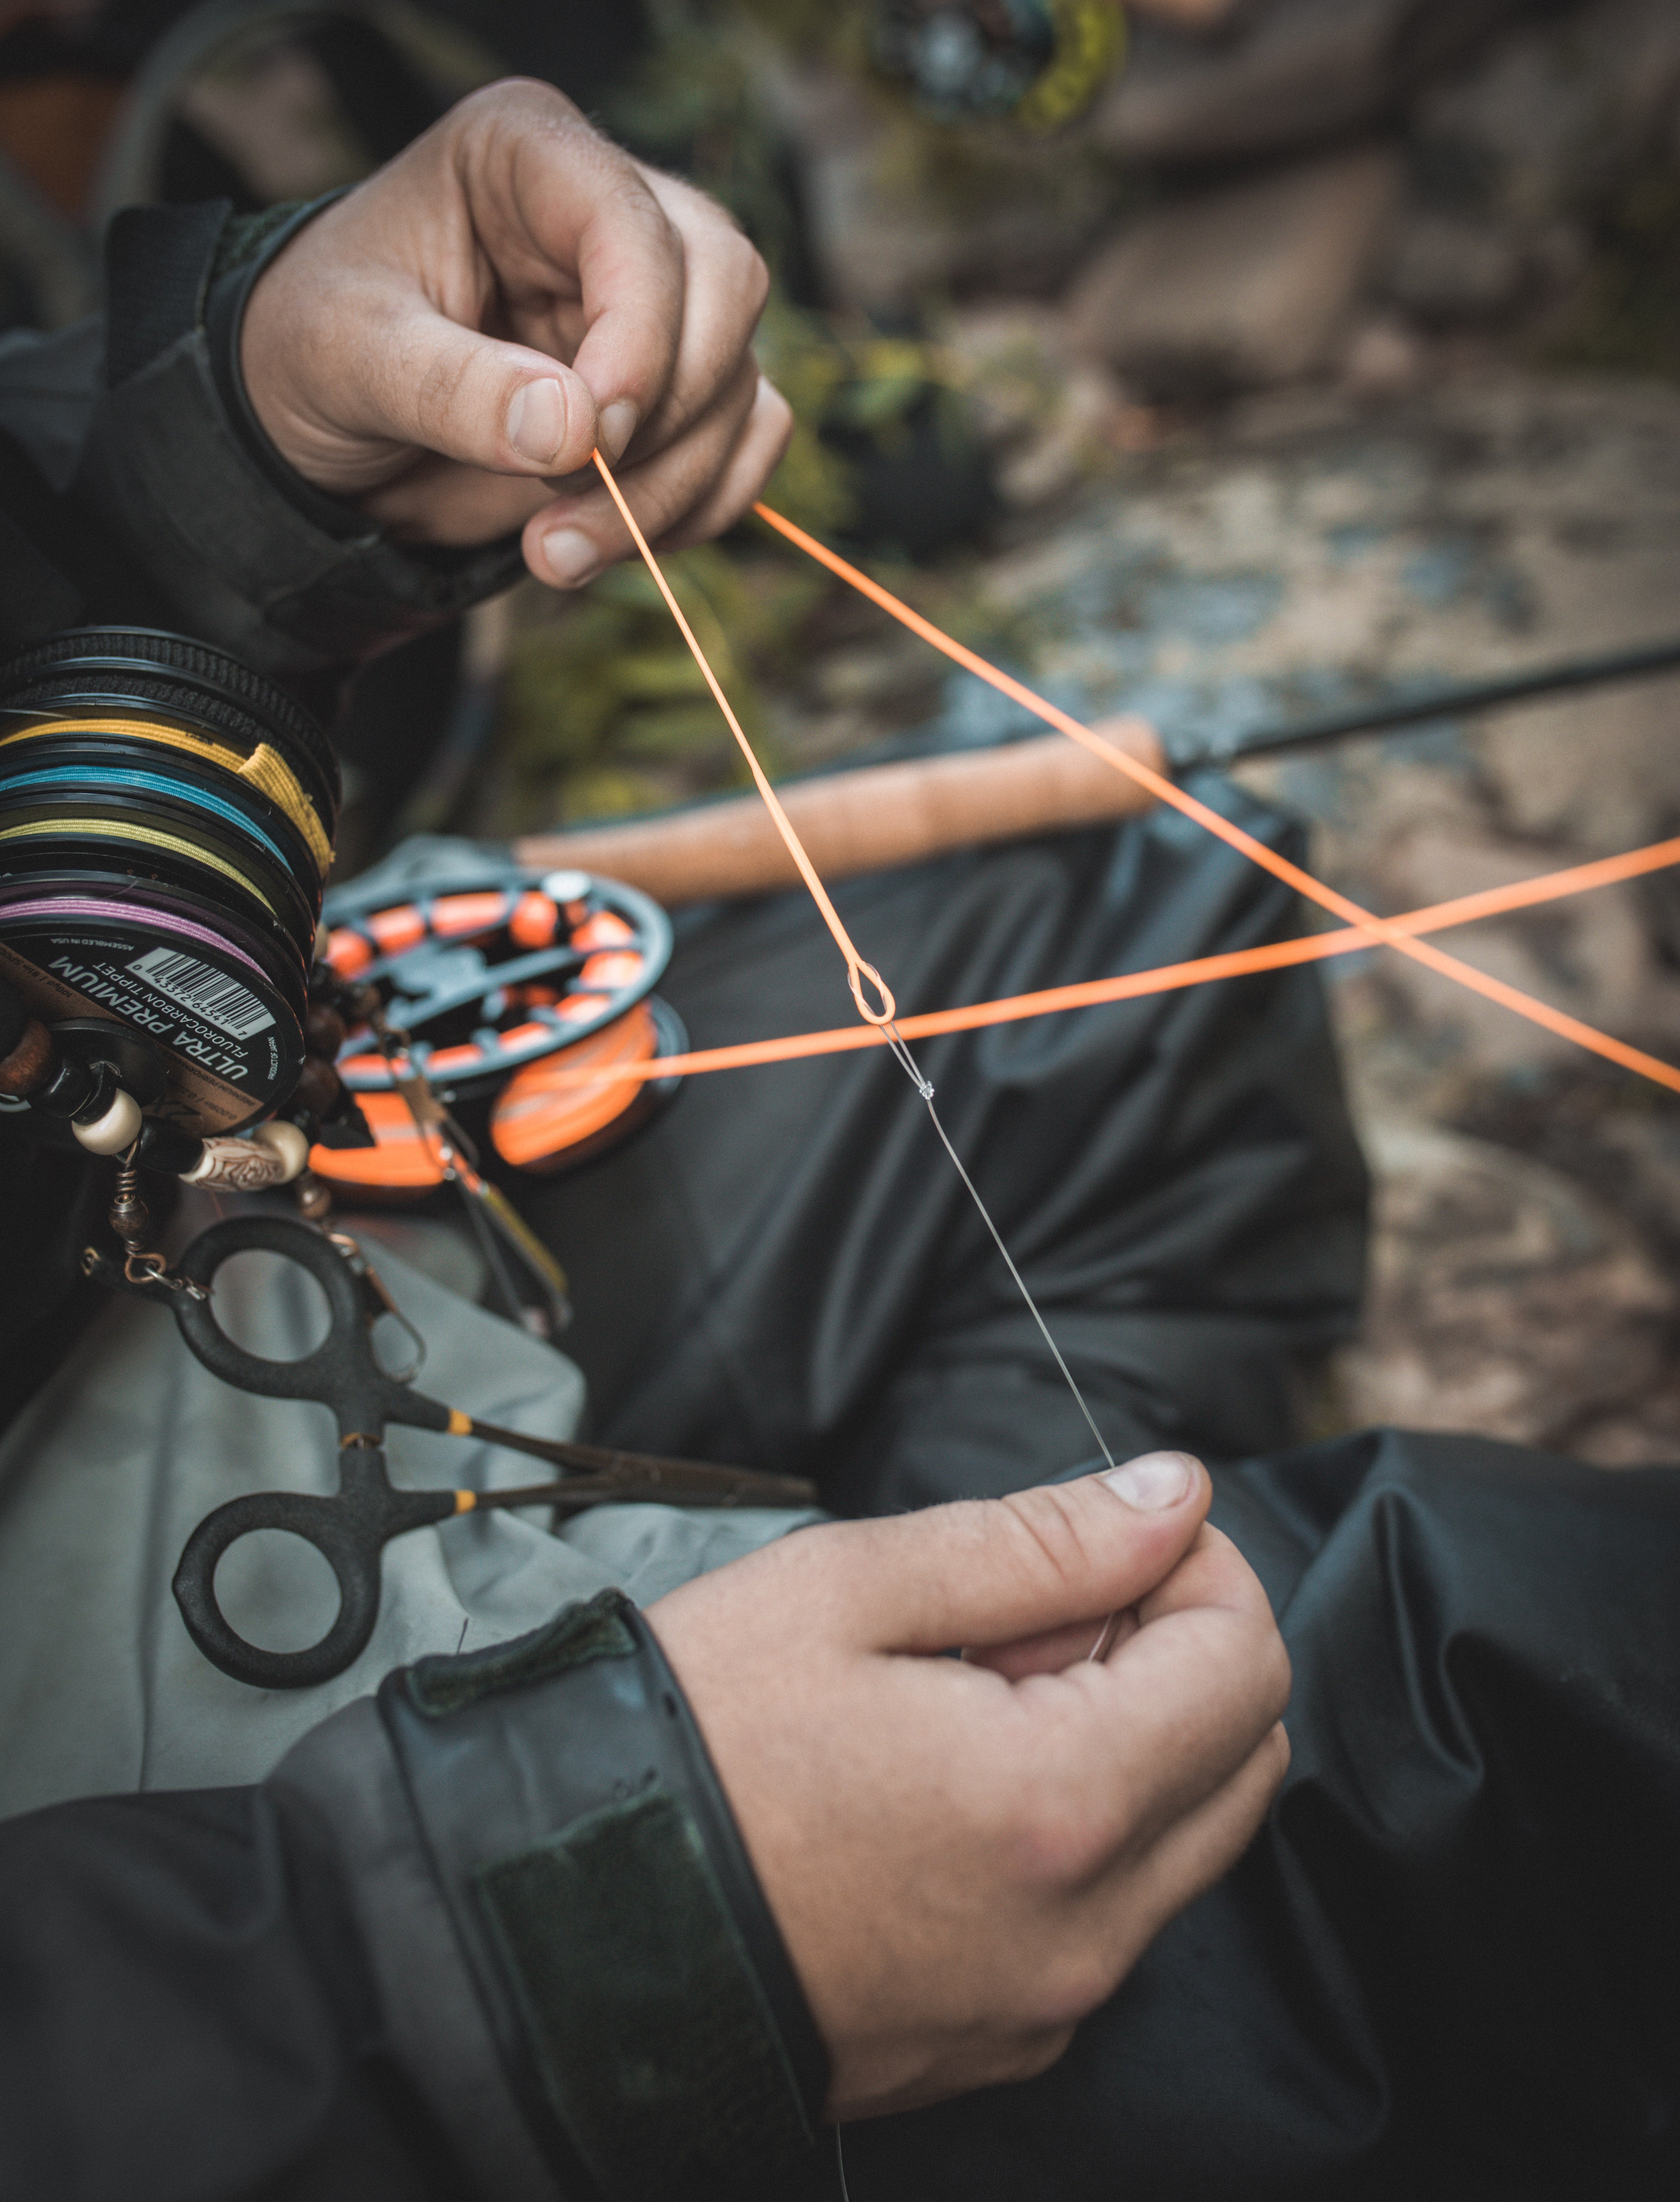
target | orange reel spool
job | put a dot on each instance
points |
(538, 1122)
(400, 1165)
(500, 980)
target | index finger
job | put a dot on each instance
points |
(727, 284)
(1132, 1746)
(1202, 1680)
(586, 206)
(563, 225)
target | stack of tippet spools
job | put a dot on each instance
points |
(166, 828)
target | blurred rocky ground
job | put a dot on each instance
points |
(1334, 349)
(1310, 549)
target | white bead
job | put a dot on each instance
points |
(116, 1131)
(567, 886)
(287, 1144)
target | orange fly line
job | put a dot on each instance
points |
(1362, 928)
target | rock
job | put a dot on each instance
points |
(1646, 1433)
(1550, 115)
(1446, 267)
(1047, 419)
(1383, 358)
(1504, 1299)
(1589, 955)
(1507, 158)
(1249, 284)
(1290, 73)
(899, 207)
(1603, 774)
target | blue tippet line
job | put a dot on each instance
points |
(158, 786)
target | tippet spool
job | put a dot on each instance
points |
(166, 826)
(498, 981)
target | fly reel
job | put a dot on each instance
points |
(502, 982)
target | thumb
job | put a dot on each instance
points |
(990, 1571)
(504, 407)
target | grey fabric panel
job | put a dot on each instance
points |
(131, 1442)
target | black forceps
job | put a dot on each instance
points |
(351, 1529)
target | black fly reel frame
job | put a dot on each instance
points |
(504, 987)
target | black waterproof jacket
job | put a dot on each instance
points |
(456, 1943)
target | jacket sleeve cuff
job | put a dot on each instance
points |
(248, 554)
(574, 1951)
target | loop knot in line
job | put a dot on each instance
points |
(857, 971)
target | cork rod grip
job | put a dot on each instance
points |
(864, 821)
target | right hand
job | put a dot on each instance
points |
(450, 342)
(966, 1857)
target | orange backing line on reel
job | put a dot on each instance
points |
(1168, 978)
(540, 1113)
(1167, 791)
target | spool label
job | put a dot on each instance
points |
(231, 1008)
(228, 1051)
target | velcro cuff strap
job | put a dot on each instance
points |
(242, 549)
(157, 269)
(607, 1910)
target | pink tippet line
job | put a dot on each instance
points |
(68, 906)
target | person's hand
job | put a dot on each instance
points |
(966, 1857)
(451, 340)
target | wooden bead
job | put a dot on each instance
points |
(32, 1063)
(314, 1199)
(237, 1166)
(323, 1031)
(318, 1087)
(129, 1218)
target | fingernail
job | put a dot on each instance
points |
(1153, 1482)
(617, 427)
(537, 420)
(570, 555)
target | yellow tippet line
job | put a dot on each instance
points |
(265, 769)
(1091, 47)
(109, 829)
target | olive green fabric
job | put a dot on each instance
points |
(593, 1630)
(654, 2044)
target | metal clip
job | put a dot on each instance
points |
(129, 1218)
(379, 1302)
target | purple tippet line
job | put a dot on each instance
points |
(107, 911)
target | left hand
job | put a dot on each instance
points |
(966, 1856)
(450, 342)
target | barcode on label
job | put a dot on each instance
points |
(232, 1008)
